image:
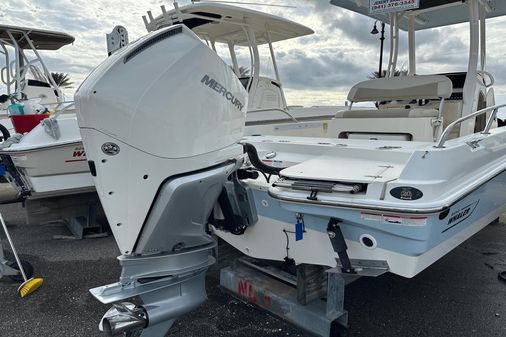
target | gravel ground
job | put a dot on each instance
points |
(460, 295)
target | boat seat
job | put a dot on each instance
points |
(388, 113)
(402, 88)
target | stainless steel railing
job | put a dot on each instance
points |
(444, 136)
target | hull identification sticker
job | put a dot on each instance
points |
(395, 219)
(392, 6)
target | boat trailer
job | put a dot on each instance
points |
(81, 213)
(312, 300)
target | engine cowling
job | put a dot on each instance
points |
(163, 106)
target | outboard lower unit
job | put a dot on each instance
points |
(160, 121)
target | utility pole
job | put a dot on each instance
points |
(382, 43)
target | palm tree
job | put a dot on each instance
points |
(243, 71)
(397, 72)
(62, 80)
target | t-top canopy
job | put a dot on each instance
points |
(223, 23)
(432, 13)
(42, 39)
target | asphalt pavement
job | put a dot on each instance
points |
(460, 295)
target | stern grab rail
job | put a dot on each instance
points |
(449, 128)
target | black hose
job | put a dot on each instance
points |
(4, 132)
(253, 157)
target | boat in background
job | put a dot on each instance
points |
(401, 186)
(48, 158)
(40, 165)
(216, 24)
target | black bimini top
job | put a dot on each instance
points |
(42, 39)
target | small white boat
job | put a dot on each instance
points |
(49, 160)
(41, 166)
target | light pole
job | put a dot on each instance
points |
(382, 42)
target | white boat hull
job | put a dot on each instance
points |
(461, 191)
(47, 166)
(408, 249)
(54, 170)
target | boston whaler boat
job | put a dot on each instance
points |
(407, 182)
(51, 156)
(395, 190)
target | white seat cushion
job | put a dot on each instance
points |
(402, 88)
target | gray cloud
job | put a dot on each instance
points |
(341, 53)
(330, 70)
(357, 28)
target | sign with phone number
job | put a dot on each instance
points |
(391, 6)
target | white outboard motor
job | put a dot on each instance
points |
(160, 121)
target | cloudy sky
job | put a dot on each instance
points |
(315, 70)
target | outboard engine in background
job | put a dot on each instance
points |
(160, 121)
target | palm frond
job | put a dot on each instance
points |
(62, 80)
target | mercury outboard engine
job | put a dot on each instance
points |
(160, 121)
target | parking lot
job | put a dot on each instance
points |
(460, 295)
